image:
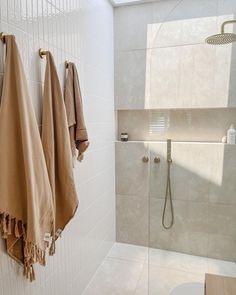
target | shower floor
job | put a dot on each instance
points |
(130, 269)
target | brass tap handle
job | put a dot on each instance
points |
(145, 159)
(157, 160)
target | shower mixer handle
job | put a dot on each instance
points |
(145, 159)
(157, 160)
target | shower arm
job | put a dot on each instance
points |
(226, 23)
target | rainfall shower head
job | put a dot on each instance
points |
(222, 38)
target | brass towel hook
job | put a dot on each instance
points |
(66, 64)
(2, 37)
(42, 52)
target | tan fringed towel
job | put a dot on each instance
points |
(26, 208)
(56, 145)
(74, 110)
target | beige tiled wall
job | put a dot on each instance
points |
(82, 32)
(170, 84)
(162, 61)
(203, 188)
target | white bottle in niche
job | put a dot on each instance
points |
(231, 135)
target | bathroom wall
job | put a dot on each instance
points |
(82, 32)
(161, 48)
(170, 84)
(203, 190)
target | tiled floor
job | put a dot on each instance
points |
(130, 269)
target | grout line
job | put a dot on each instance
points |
(126, 260)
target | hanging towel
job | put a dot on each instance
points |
(56, 145)
(75, 116)
(26, 208)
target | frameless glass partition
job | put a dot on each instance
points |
(192, 217)
(176, 209)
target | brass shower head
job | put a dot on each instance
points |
(222, 38)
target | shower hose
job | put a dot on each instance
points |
(168, 189)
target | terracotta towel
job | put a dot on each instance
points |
(74, 110)
(26, 208)
(56, 145)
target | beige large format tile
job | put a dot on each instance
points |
(222, 219)
(129, 252)
(142, 287)
(225, 175)
(160, 280)
(137, 27)
(163, 271)
(222, 247)
(180, 216)
(132, 219)
(164, 75)
(197, 214)
(130, 79)
(165, 23)
(164, 280)
(115, 277)
(190, 171)
(189, 263)
(178, 69)
(179, 266)
(190, 76)
(131, 26)
(220, 267)
(131, 172)
(185, 77)
(188, 234)
(178, 261)
(203, 186)
(189, 22)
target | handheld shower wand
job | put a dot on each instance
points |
(168, 189)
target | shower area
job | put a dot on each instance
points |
(175, 98)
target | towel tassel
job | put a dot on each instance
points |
(9, 225)
(17, 233)
(29, 272)
(4, 225)
(52, 249)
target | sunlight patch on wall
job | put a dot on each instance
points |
(183, 71)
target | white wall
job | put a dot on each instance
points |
(82, 32)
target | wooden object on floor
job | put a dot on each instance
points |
(219, 285)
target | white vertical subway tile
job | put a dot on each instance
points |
(61, 26)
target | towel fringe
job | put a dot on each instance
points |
(4, 225)
(52, 249)
(29, 272)
(16, 229)
(32, 253)
(9, 225)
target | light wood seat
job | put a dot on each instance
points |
(219, 285)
